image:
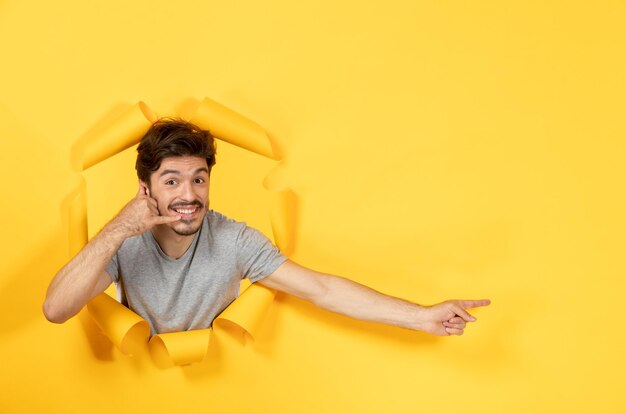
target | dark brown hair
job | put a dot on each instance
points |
(172, 137)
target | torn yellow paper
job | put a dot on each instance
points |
(244, 317)
(75, 211)
(127, 330)
(229, 126)
(180, 348)
(283, 218)
(120, 134)
(246, 314)
(283, 207)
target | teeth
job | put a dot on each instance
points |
(185, 211)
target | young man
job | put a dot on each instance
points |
(179, 264)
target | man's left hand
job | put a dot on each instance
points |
(449, 317)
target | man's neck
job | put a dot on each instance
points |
(173, 244)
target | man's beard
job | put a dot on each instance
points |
(188, 231)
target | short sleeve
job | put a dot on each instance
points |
(257, 257)
(113, 269)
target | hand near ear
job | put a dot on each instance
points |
(140, 214)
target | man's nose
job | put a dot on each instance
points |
(187, 192)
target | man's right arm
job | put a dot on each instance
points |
(84, 277)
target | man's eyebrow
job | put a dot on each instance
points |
(165, 172)
(201, 169)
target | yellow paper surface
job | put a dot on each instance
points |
(438, 149)
(125, 131)
(234, 128)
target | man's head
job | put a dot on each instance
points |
(170, 137)
(174, 162)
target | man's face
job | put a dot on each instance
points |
(181, 187)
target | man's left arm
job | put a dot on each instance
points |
(352, 299)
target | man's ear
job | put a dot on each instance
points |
(144, 187)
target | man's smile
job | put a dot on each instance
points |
(186, 211)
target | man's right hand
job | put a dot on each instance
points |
(139, 215)
(84, 276)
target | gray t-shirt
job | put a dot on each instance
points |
(188, 293)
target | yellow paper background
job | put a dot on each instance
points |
(437, 149)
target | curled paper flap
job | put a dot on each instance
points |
(229, 126)
(127, 330)
(124, 132)
(283, 218)
(247, 313)
(283, 208)
(180, 348)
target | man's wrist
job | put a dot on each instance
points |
(115, 233)
(419, 317)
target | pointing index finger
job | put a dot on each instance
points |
(469, 304)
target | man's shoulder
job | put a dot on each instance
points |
(218, 222)
(216, 217)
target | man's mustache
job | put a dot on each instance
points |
(196, 203)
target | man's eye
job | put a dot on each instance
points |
(199, 180)
(170, 182)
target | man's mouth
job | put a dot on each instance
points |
(186, 211)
